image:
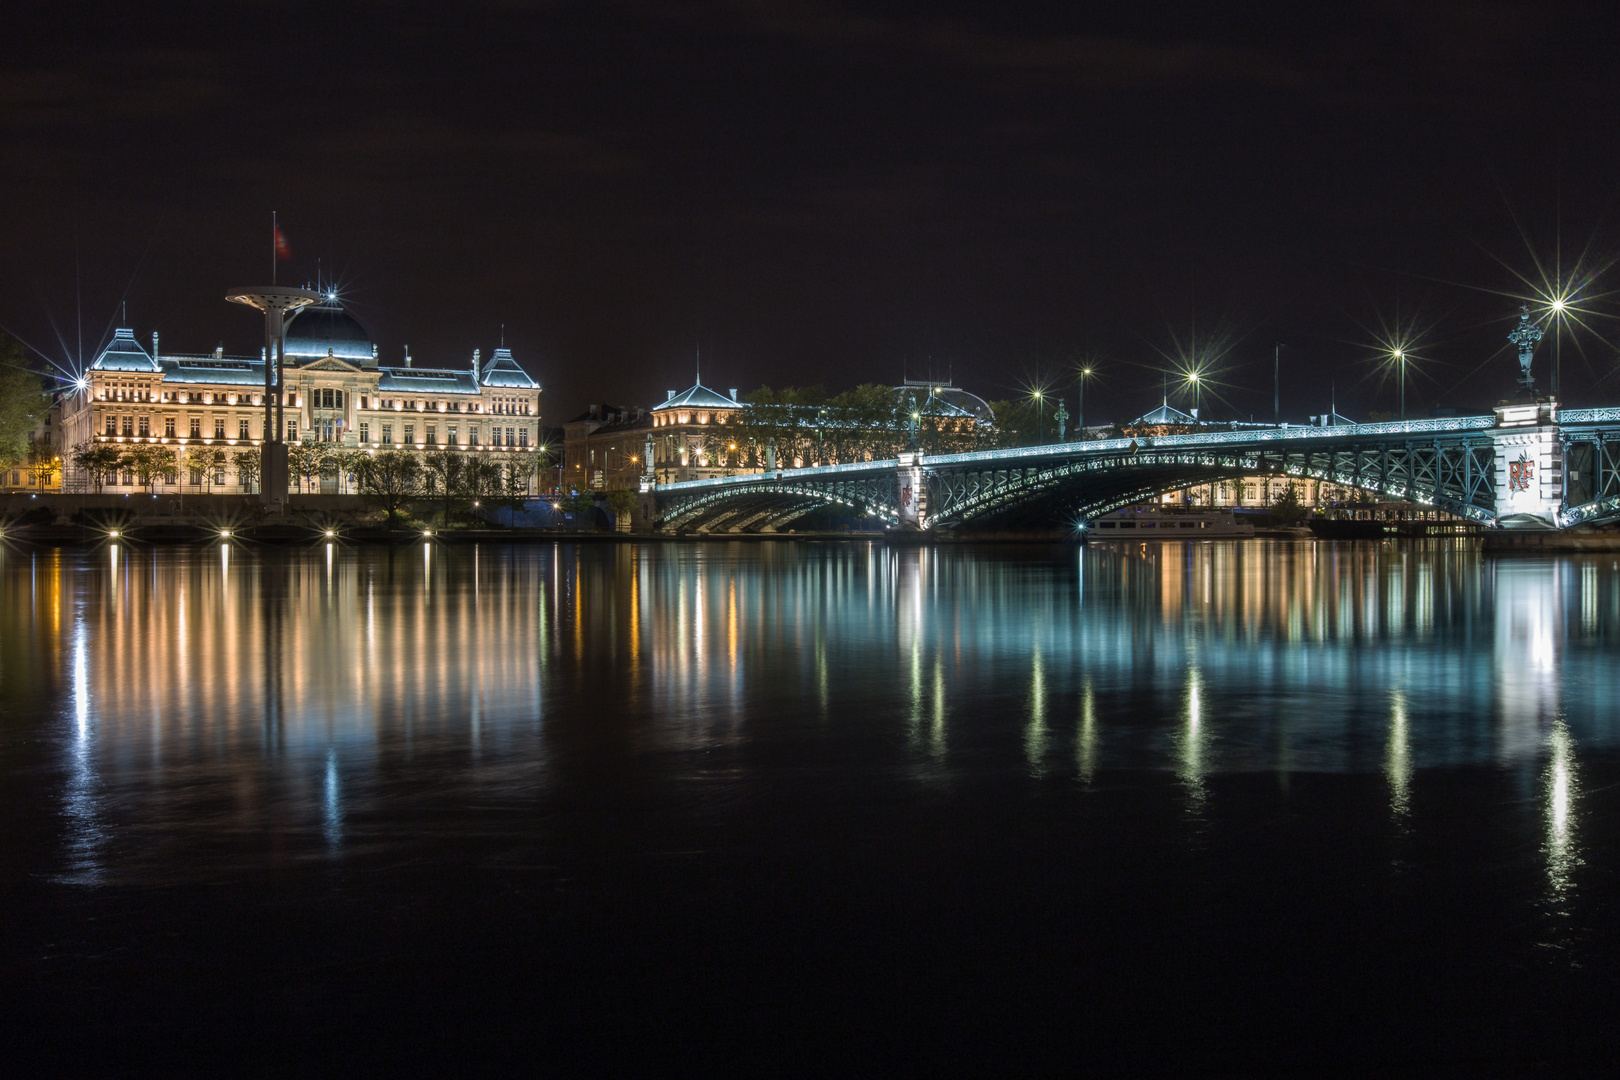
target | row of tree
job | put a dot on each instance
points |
(393, 478)
(23, 405)
(149, 463)
(870, 421)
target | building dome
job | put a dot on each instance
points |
(326, 327)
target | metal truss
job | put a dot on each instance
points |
(1446, 463)
(1454, 474)
(1591, 459)
(791, 496)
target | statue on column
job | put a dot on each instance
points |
(1525, 336)
(1062, 418)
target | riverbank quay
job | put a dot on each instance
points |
(1549, 541)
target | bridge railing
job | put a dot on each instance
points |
(1201, 439)
(1226, 438)
(783, 474)
(1588, 416)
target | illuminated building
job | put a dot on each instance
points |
(694, 436)
(699, 433)
(604, 447)
(338, 395)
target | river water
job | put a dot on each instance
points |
(807, 807)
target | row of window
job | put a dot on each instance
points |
(664, 419)
(141, 427)
(418, 405)
(513, 436)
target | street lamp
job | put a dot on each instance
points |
(1080, 421)
(1399, 356)
(1040, 419)
(1558, 305)
(1198, 394)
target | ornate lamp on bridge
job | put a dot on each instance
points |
(1526, 335)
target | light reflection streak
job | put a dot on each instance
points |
(1192, 744)
(1086, 740)
(81, 798)
(1560, 784)
(332, 802)
(1035, 735)
(1398, 758)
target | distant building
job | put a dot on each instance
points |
(604, 447)
(694, 436)
(338, 393)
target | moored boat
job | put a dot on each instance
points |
(1158, 523)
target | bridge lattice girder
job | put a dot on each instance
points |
(1456, 475)
(1591, 454)
(1448, 464)
(773, 502)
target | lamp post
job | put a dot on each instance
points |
(1198, 396)
(1558, 306)
(1080, 408)
(1040, 419)
(1400, 358)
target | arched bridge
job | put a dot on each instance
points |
(1522, 464)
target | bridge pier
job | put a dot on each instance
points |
(1529, 465)
(910, 478)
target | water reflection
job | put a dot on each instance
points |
(316, 691)
(1398, 758)
(1559, 785)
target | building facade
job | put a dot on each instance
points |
(337, 395)
(604, 448)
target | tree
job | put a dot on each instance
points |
(1286, 508)
(23, 404)
(248, 466)
(305, 460)
(622, 501)
(579, 504)
(444, 473)
(389, 480)
(43, 461)
(345, 461)
(511, 474)
(148, 461)
(97, 461)
(207, 460)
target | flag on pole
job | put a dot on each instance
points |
(283, 249)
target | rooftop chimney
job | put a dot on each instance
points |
(671, 396)
(475, 358)
(407, 356)
(733, 393)
(154, 345)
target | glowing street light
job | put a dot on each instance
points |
(1399, 356)
(1080, 421)
(1040, 417)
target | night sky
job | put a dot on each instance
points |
(830, 193)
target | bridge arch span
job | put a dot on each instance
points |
(1081, 489)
